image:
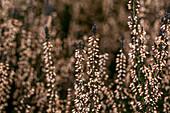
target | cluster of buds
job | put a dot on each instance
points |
(166, 80)
(153, 73)
(79, 87)
(5, 85)
(52, 95)
(93, 72)
(107, 99)
(146, 80)
(102, 66)
(160, 47)
(106, 94)
(137, 54)
(69, 98)
(90, 96)
(137, 35)
(120, 80)
(151, 88)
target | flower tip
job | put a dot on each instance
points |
(46, 32)
(94, 29)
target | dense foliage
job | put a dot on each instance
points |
(50, 60)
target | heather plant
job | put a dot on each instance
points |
(81, 98)
(91, 92)
(89, 100)
(52, 96)
(93, 72)
(120, 92)
(42, 70)
(145, 80)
